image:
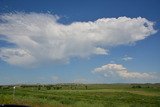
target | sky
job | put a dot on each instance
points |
(79, 41)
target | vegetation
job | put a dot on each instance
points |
(83, 95)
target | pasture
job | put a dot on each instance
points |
(82, 95)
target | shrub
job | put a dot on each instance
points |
(136, 86)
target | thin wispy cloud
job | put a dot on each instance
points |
(55, 78)
(127, 58)
(80, 80)
(40, 37)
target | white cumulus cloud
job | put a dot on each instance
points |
(40, 37)
(121, 71)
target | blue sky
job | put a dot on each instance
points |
(87, 41)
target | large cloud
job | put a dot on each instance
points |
(120, 71)
(41, 38)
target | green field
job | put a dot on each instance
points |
(81, 95)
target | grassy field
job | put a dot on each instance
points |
(80, 95)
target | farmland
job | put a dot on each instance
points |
(82, 95)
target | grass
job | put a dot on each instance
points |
(96, 95)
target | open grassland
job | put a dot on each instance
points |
(80, 95)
